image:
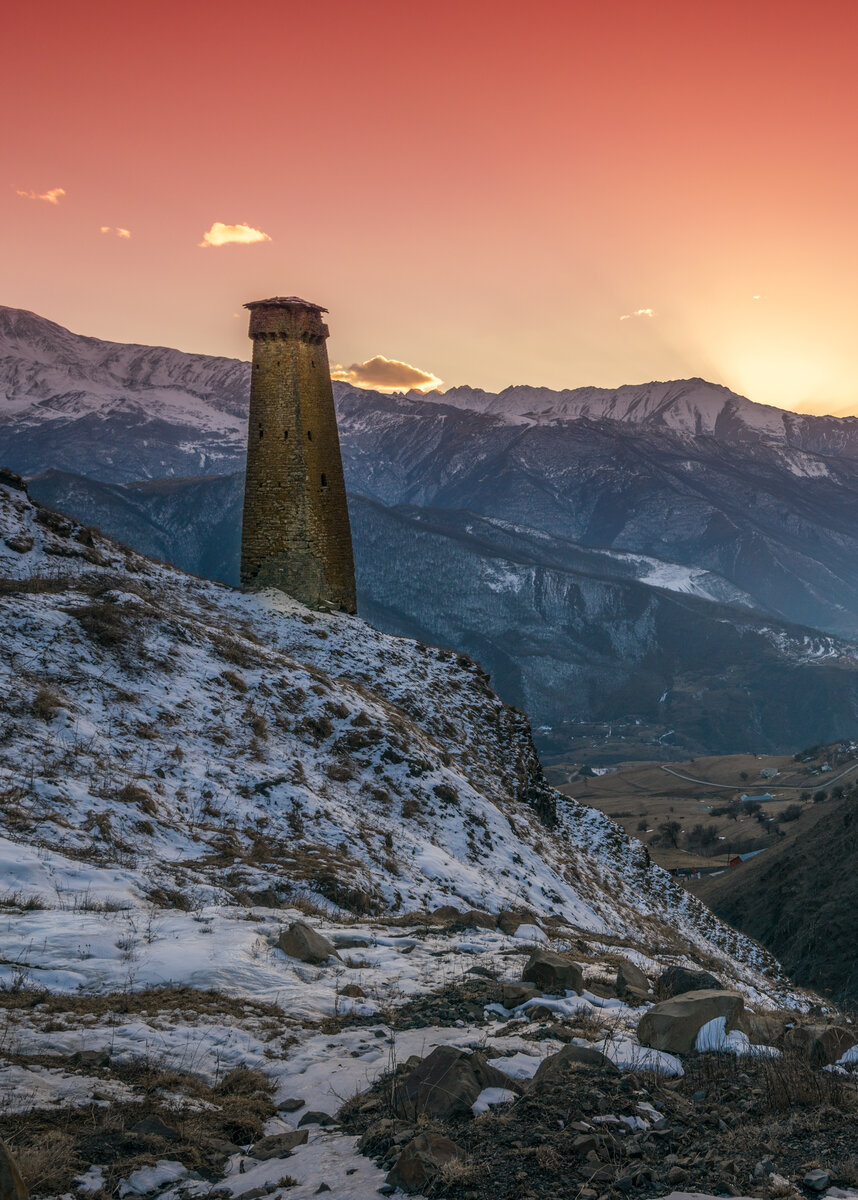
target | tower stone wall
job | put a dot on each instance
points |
(295, 528)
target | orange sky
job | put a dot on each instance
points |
(481, 189)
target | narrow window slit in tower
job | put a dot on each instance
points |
(309, 435)
(324, 480)
(285, 434)
(261, 431)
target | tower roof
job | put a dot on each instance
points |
(285, 302)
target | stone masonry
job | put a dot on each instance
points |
(295, 532)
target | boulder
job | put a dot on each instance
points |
(673, 1024)
(421, 1160)
(676, 980)
(444, 1085)
(763, 1029)
(553, 973)
(513, 994)
(445, 914)
(447, 1082)
(508, 920)
(632, 984)
(354, 991)
(279, 1145)
(303, 942)
(822, 1044)
(315, 1117)
(11, 1183)
(572, 1058)
(817, 1180)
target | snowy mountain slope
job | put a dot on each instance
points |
(202, 741)
(569, 633)
(184, 770)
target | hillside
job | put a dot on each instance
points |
(185, 772)
(799, 899)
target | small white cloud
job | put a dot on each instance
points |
(52, 196)
(639, 312)
(237, 235)
(117, 229)
(756, 297)
(386, 375)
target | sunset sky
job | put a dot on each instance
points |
(496, 193)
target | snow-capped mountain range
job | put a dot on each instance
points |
(636, 556)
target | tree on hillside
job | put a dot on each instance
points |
(669, 832)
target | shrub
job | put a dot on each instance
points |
(46, 703)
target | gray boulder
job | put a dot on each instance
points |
(303, 942)
(676, 980)
(673, 1024)
(632, 984)
(279, 1145)
(553, 973)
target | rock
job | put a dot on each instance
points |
(475, 919)
(677, 1175)
(316, 1118)
(584, 1143)
(553, 973)
(303, 942)
(632, 984)
(444, 1085)
(822, 1044)
(11, 1183)
(514, 994)
(421, 1160)
(445, 914)
(279, 1145)
(323, 1187)
(154, 1127)
(817, 1180)
(572, 1058)
(21, 545)
(540, 1012)
(676, 980)
(353, 991)
(763, 1029)
(673, 1024)
(508, 920)
(290, 1105)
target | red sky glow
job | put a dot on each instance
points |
(494, 193)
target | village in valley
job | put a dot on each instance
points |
(708, 815)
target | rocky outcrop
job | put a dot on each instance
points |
(553, 973)
(673, 1024)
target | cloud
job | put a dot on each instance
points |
(386, 375)
(240, 235)
(52, 196)
(117, 229)
(639, 312)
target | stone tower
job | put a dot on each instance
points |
(295, 532)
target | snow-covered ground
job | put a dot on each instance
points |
(184, 770)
